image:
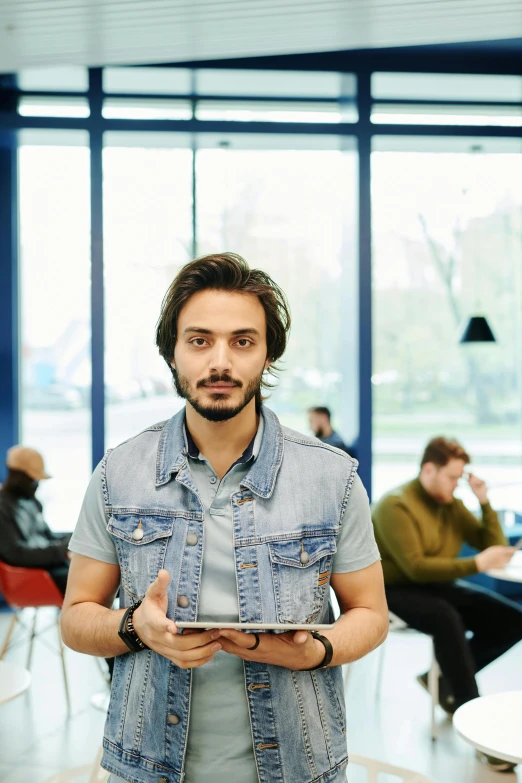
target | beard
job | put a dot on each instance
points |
(219, 409)
(319, 432)
(444, 498)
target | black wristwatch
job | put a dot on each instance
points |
(127, 633)
(328, 651)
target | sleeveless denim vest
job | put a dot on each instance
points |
(292, 500)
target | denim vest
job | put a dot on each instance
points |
(292, 500)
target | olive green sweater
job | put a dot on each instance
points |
(419, 539)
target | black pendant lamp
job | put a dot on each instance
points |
(477, 330)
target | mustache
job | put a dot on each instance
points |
(216, 378)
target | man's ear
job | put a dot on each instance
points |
(428, 469)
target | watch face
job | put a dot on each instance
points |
(127, 633)
(123, 623)
(123, 631)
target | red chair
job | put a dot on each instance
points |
(30, 588)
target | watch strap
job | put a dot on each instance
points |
(127, 632)
(328, 651)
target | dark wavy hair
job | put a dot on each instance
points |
(440, 450)
(225, 272)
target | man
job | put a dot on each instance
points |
(320, 419)
(420, 528)
(25, 538)
(220, 514)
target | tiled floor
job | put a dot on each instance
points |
(38, 737)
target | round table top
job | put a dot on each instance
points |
(512, 572)
(14, 680)
(493, 724)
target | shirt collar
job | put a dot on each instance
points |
(425, 496)
(250, 453)
(262, 476)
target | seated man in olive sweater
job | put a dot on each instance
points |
(420, 528)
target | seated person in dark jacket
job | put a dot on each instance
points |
(321, 425)
(25, 538)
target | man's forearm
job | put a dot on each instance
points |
(93, 629)
(356, 633)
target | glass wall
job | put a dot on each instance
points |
(55, 314)
(288, 205)
(265, 163)
(147, 180)
(447, 244)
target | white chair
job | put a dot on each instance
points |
(31, 588)
(396, 624)
(88, 773)
(376, 768)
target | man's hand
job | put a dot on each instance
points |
(479, 488)
(188, 651)
(494, 557)
(296, 650)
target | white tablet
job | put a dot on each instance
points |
(257, 626)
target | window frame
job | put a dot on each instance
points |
(363, 130)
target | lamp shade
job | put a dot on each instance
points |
(477, 330)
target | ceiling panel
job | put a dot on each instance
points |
(100, 32)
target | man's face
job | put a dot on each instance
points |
(220, 354)
(317, 423)
(441, 482)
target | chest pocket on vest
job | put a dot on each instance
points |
(301, 574)
(141, 542)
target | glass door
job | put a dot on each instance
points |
(147, 180)
(55, 323)
(447, 244)
(289, 206)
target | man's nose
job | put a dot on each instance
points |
(220, 359)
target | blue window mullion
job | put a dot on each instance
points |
(364, 450)
(9, 295)
(97, 287)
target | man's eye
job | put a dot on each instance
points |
(198, 341)
(243, 342)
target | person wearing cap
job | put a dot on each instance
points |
(25, 538)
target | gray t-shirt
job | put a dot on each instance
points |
(219, 708)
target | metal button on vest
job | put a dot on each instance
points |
(183, 601)
(173, 719)
(213, 479)
(137, 534)
(192, 539)
(163, 780)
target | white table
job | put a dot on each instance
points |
(14, 680)
(512, 572)
(493, 724)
